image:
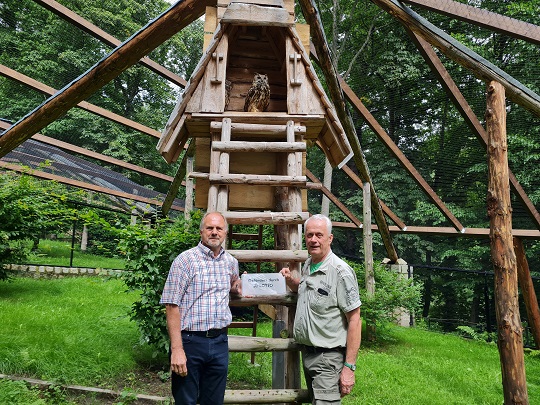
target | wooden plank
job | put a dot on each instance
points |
(297, 396)
(125, 55)
(104, 37)
(241, 197)
(210, 25)
(213, 82)
(483, 18)
(254, 15)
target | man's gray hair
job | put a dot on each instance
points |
(201, 226)
(320, 217)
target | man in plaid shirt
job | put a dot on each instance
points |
(196, 298)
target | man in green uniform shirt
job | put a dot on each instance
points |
(327, 322)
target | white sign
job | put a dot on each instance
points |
(263, 284)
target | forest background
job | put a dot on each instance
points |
(378, 60)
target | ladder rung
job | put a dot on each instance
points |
(288, 299)
(261, 344)
(257, 179)
(244, 146)
(266, 396)
(244, 236)
(270, 255)
(241, 324)
(257, 129)
(265, 218)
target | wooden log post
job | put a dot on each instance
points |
(509, 330)
(368, 253)
(527, 290)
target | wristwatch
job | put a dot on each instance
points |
(351, 366)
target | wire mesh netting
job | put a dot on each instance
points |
(371, 49)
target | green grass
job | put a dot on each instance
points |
(75, 331)
(57, 253)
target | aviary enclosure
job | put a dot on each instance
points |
(427, 106)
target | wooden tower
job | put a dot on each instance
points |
(251, 165)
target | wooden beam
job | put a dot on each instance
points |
(261, 344)
(483, 18)
(20, 78)
(352, 175)
(499, 209)
(256, 256)
(85, 152)
(121, 58)
(459, 53)
(85, 25)
(527, 290)
(80, 184)
(311, 15)
(461, 104)
(445, 231)
(399, 155)
(334, 199)
(177, 181)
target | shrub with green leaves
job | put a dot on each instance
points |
(149, 251)
(392, 294)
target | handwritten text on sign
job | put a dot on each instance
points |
(263, 284)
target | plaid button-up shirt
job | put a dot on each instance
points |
(199, 284)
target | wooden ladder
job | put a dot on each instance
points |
(286, 220)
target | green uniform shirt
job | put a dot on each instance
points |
(323, 299)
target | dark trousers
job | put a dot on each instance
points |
(207, 366)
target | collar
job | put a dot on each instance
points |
(208, 252)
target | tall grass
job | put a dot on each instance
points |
(75, 330)
(58, 253)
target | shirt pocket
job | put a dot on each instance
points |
(319, 297)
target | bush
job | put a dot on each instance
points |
(149, 252)
(392, 294)
(28, 209)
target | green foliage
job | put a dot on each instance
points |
(17, 393)
(392, 293)
(149, 251)
(28, 209)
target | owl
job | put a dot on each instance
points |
(228, 88)
(258, 96)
